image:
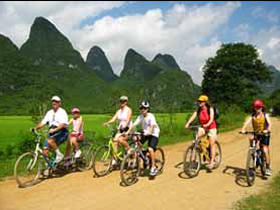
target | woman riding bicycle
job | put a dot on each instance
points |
(124, 116)
(261, 123)
(205, 114)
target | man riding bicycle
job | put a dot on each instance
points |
(205, 114)
(151, 132)
(261, 123)
(57, 120)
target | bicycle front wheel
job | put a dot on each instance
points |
(191, 161)
(250, 168)
(27, 169)
(218, 157)
(102, 160)
(263, 164)
(130, 169)
(159, 159)
(85, 161)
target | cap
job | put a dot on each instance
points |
(56, 98)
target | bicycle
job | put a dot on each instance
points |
(199, 153)
(29, 166)
(131, 164)
(102, 159)
(255, 158)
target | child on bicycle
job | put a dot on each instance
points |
(261, 123)
(76, 134)
(151, 132)
(205, 114)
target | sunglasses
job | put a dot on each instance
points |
(143, 108)
(200, 101)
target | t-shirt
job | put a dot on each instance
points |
(204, 118)
(56, 118)
(146, 122)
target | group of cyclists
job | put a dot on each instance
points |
(57, 120)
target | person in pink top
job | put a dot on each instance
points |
(205, 114)
(76, 134)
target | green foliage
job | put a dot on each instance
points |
(234, 74)
(269, 200)
(274, 101)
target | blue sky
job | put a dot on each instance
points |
(190, 31)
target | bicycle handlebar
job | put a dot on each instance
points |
(254, 132)
(194, 127)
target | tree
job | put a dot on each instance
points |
(234, 75)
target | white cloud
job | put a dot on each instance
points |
(267, 41)
(182, 31)
(17, 17)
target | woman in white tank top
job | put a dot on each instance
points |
(124, 117)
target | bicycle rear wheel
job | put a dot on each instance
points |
(27, 169)
(159, 159)
(130, 168)
(85, 161)
(101, 161)
(191, 161)
(250, 168)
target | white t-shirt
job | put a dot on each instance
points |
(56, 118)
(147, 122)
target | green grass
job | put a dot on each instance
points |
(267, 200)
(15, 128)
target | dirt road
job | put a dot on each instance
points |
(171, 190)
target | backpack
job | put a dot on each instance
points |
(216, 112)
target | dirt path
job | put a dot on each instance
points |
(171, 190)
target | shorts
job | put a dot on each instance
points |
(60, 137)
(123, 130)
(79, 136)
(264, 139)
(152, 141)
(211, 132)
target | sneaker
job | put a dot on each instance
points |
(46, 172)
(130, 151)
(268, 172)
(114, 163)
(153, 171)
(78, 153)
(58, 158)
(67, 161)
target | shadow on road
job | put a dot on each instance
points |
(240, 175)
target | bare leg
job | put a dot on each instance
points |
(52, 143)
(213, 150)
(267, 156)
(75, 143)
(68, 148)
(152, 154)
(123, 141)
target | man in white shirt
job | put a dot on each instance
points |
(57, 119)
(151, 132)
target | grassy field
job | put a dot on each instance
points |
(15, 128)
(267, 200)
